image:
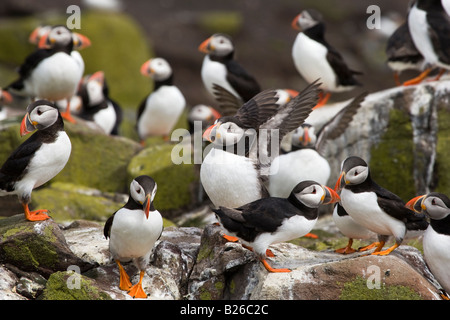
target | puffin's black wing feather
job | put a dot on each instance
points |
(228, 102)
(400, 46)
(339, 123)
(395, 207)
(15, 166)
(108, 225)
(258, 109)
(28, 66)
(345, 76)
(244, 84)
(440, 34)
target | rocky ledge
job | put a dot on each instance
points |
(49, 261)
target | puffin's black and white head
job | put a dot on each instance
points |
(435, 205)
(94, 86)
(40, 115)
(218, 44)
(60, 37)
(354, 171)
(304, 136)
(157, 68)
(225, 132)
(143, 191)
(312, 194)
(306, 20)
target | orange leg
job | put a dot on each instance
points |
(125, 283)
(311, 235)
(397, 79)
(441, 72)
(269, 252)
(323, 99)
(270, 269)
(347, 249)
(385, 252)
(66, 114)
(37, 215)
(136, 291)
(370, 246)
(417, 79)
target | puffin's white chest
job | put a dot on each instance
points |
(47, 162)
(215, 72)
(292, 228)
(229, 180)
(418, 26)
(310, 60)
(162, 110)
(106, 118)
(132, 234)
(364, 209)
(287, 170)
(55, 78)
(436, 248)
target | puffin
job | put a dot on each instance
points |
(436, 239)
(159, 111)
(235, 169)
(5, 99)
(429, 25)
(375, 207)
(352, 230)
(402, 55)
(306, 160)
(40, 158)
(202, 116)
(51, 72)
(219, 67)
(315, 58)
(133, 231)
(266, 221)
(97, 106)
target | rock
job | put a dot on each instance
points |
(69, 285)
(177, 183)
(36, 246)
(402, 133)
(8, 282)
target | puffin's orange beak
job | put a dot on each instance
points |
(292, 93)
(98, 76)
(204, 46)
(294, 23)
(26, 126)
(207, 133)
(43, 44)
(80, 41)
(215, 113)
(34, 36)
(305, 139)
(411, 204)
(145, 68)
(330, 196)
(340, 183)
(147, 203)
(6, 96)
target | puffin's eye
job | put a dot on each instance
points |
(39, 112)
(433, 202)
(138, 191)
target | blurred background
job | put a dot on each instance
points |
(126, 33)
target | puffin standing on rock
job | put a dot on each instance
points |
(436, 240)
(133, 231)
(38, 159)
(272, 220)
(51, 72)
(314, 58)
(219, 67)
(160, 110)
(374, 207)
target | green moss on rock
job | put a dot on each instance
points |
(69, 202)
(71, 286)
(175, 182)
(358, 290)
(392, 159)
(97, 160)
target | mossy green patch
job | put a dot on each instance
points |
(392, 159)
(443, 152)
(359, 290)
(175, 182)
(71, 286)
(70, 202)
(97, 160)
